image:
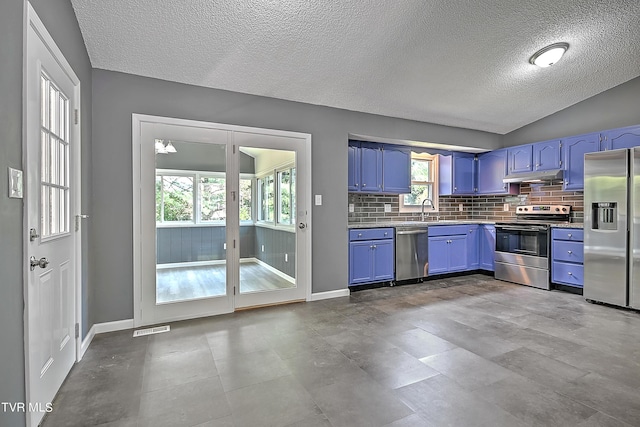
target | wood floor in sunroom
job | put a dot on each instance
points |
(184, 283)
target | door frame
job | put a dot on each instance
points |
(33, 22)
(137, 121)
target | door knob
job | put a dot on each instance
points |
(302, 226)
(42, 263)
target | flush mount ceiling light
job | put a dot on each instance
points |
(161, 148)
(549, 55)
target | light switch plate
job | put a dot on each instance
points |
(352, 208)
(15, 183)
(387, 207)
(505, 207)
(318, 199)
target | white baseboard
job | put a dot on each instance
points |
(86, 342)
(330, 294)
(271, 269)
(189, 264)
(118, 325)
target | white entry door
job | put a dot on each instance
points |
(50, 239)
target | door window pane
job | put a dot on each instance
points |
(177, 198)
(245, 199)
(212, 199)
(266, 196)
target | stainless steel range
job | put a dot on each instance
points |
(522, 246)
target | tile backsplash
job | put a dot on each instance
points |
(370, 207)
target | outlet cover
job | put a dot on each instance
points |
(460, 207)
(505, 207)
(387, 207)
(286, 257)
(318, 199)
(352, 208)
(262, 248)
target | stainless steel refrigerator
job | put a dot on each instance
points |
(612, 227)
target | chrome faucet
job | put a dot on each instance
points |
(422, 215)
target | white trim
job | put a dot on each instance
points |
(289, 228)
(86, 342)
(319, 296)
(118, 325)
(190, 264)
(272, 269)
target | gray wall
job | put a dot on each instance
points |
(116, 96)
(190, 244)
(616, 107)
(59, 18)
(276, 244)
(11, 296)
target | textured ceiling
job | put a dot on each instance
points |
(458, 63)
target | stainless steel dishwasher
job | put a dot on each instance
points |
(412, 252)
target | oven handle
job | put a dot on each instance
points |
(520, 228)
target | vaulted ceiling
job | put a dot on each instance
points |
(458, 63)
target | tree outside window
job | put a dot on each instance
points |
(423, 184)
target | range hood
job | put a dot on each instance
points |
(536, 176)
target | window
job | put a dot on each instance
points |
(424, 184)
(266, 196)
(287, 198)
(198, 197)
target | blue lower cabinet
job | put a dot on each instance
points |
(371, 255)
(487, 247)
(473, 247)
(448, 254)
(567, 255)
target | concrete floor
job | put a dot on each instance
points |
(465, 351)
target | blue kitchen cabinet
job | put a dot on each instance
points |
(567, 256)
(620, 138)
(370, 167)
(491, 169)
(457, 174)
(487, 247)
(575, 148)
(353, 179)
(448, 251)
(473, 247)
(520, 158)
(378, 168)
(371, 255)
(396, 169)
(547, 155)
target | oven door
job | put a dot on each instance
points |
(529, 240)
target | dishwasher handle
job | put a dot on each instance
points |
(411, 232)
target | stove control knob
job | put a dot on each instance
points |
(564, 209)
(558, 209)
(526, 209)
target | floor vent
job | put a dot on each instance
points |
(150, 331)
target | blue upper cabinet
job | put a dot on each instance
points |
(396, 169)
(520, 158)
(574, 150)
(370, 167)
(620, 138)
(547, 155)
(491, 169)
(457, 174)
(353, 180)
(379, 168)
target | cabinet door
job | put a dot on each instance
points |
(488, 247)
(458, 253)
(464, 173)
(492, 167)
(438, 254)
(360, 262)
(575, 149)
(353, 180)
(546, 155)
(396, 170)
(621, 138)
(473, 247)
(370, 167)
(382, 260)
(520, 158)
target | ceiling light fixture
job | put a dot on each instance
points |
(549, 55)
(161, 148)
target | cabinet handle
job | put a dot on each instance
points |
(359, 234)
(356, 185)
(374, 246)
(570, 274)
(364, 185)
(569, 252)
(385, 234)
(569, 235)
(455, 188)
